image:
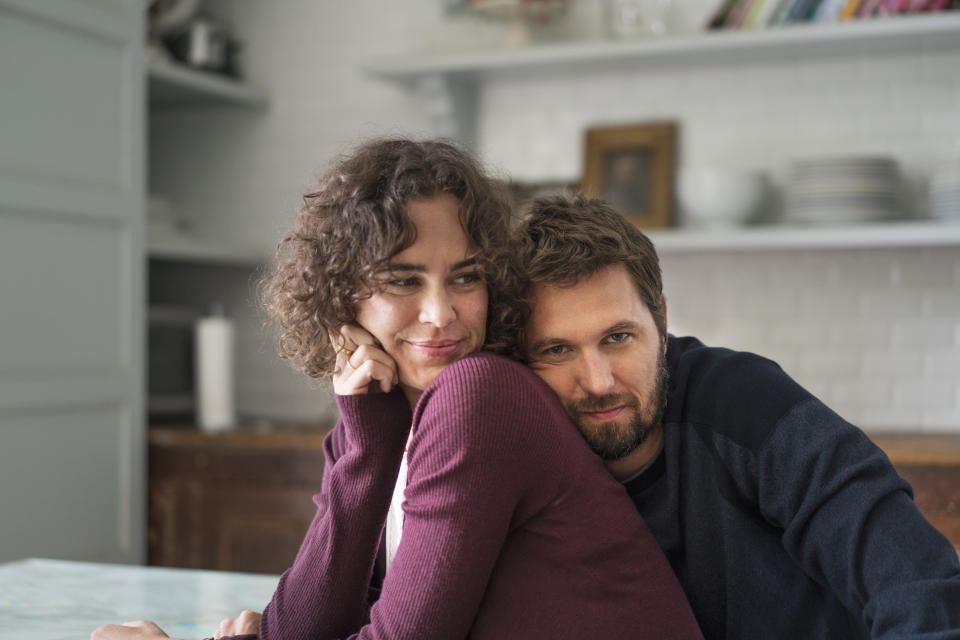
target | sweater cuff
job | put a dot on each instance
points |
(376, 419)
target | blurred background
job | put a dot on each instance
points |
(151, 154)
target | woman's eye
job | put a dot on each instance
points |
(468, 278)
(556, 350)
(402, 283)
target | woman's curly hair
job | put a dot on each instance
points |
(355, 222)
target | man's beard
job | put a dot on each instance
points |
(612, 441)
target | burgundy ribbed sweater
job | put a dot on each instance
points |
(513, 528)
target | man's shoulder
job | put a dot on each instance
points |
(737, 394)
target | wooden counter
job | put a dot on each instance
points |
(920, 448)
(238, 501)
(931, 463)
(242, 500)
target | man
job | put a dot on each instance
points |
(780, 519)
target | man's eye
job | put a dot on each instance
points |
(618, 337)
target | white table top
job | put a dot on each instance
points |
(61, 600)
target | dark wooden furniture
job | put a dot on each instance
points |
(233, 501)
(242, 501)
(931, 463)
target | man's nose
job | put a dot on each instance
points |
(436, 308)
(596, 375)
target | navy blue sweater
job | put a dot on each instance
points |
(781, 519)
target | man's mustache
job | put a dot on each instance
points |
(593, 403)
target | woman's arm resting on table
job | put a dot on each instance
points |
(139, 630)
(243, 627)
(324, 594)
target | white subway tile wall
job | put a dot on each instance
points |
(882, 349)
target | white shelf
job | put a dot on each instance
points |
(171, 84)
(785, 237)
(928, 31)
(198, 251)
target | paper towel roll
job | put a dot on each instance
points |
(214, 373)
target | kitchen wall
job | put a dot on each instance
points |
(875, 332)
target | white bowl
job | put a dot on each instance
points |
(713, 197)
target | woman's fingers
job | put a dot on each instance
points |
(366, 352)
(354, 335)
(359, 372)
(147, 625)
(246, 622)
(136, 630)
(361, 361)
(350, 338)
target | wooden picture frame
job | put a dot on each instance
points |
(632, 167)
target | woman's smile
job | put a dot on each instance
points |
(436, 349)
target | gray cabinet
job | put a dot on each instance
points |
(72, 435)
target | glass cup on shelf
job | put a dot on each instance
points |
(638, 18)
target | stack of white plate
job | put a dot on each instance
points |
(844, 190)
(945, 193)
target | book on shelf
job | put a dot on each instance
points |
(719, 17)
(759, 14)
(803, 10)
(780, 14)
(760, 18)
(829, 11)
(739, 13)
(868, 8)
(850, 9)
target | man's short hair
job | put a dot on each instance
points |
(563, 239)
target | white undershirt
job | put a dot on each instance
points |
(395, 514)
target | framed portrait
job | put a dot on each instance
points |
(632, 168)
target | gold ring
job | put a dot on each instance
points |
(342, 349)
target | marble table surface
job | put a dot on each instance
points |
(63, 600)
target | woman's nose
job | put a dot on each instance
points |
(437, 308)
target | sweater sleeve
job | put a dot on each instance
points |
(850, 521)
(324, 593)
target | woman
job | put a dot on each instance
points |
(396, 274)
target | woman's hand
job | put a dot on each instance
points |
(139, 630)
(361, 361)
(246, 622)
